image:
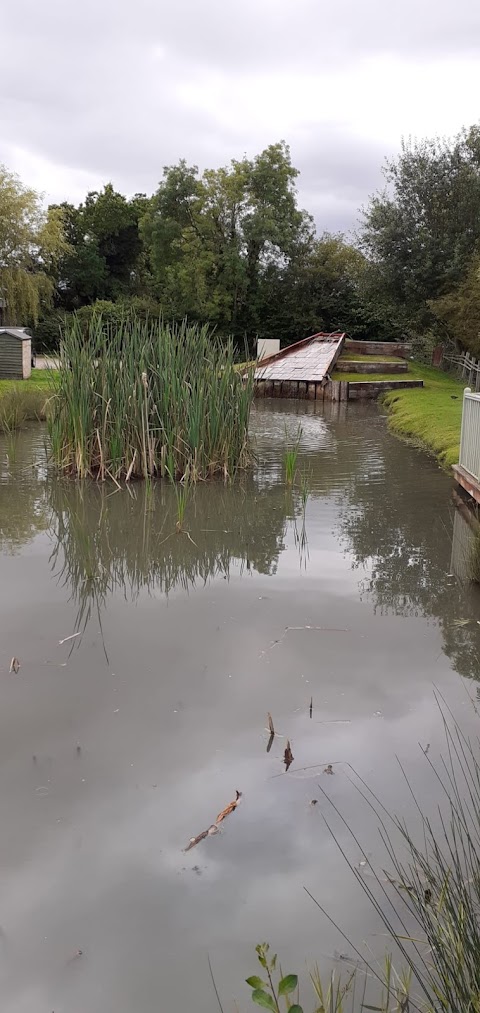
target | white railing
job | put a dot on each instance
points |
(470, 434)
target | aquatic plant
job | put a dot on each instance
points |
(428, 901)
(331, 995)
(143, 398)
(291, 456)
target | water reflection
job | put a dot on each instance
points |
(387, 505)
(401, 535)
(127, 540)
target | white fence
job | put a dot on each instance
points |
(470, 434)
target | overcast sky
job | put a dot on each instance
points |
(113, 90)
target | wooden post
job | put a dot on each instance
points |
(277, 388)
(477, 378)
(302, 388)
(471, 371)
(311, 392)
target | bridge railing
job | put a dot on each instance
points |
(470, 434)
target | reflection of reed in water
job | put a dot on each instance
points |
(126, 540)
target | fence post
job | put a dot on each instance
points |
(477, 377)
(466, 391)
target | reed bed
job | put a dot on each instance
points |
(145, 399)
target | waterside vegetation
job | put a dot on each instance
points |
(427, 897)
(148, 399)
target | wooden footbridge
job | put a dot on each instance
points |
(304, 369)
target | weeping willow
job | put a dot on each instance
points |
(31, 242)
(23, 294)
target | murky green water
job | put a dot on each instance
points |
(120, 745)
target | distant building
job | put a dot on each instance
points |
(15, 353)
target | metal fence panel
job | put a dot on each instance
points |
(470, 436)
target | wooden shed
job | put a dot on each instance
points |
(15, 353)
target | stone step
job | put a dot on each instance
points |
(358, 389)
(354, 366)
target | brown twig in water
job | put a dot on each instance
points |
(229, 808)
(200, 837)
(311, 705)
(14, 665)
(213, 829)
(270, 724)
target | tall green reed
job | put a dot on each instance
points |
(147, 399)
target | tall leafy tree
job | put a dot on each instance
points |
(421, 232)
(213, 238)
(32, 241)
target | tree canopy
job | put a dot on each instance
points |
(232, 247)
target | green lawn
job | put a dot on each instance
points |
(372, 377)
(361, 357)
(24, 400)
(41, 379)
(431, 415)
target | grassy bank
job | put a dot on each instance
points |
(431, 416)
(143, 399)
(24, 400)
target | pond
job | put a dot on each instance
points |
(121, 744)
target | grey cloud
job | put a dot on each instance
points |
(305, 33)
(104, 88)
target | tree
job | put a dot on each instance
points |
(32, 241)
(106, 258)
(213, 239)
(422, 231)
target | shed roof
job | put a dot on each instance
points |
(16, 332)
(308, 359)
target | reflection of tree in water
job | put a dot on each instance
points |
(392, 532)
(106, 539)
